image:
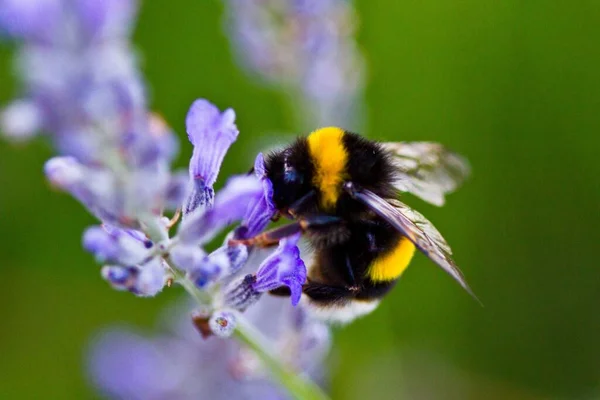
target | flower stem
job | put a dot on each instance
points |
(299, 387)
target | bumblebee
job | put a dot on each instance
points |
(342, 192)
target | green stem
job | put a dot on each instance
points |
(200, 296)
(299, 387)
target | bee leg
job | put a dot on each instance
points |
(303, 224)
(323, 293)
(350, 272)
(300, 205)
(282, 291)
(320, 292)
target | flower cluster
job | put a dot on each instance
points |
(82, 90)
(82, 87)
(178, 364)
(308, 47)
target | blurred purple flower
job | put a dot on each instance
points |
(31, 19)
(81, 84)
(20, 120)
(83, 89)
(307, 47)
(95, 188)
(105, 19)
(181, 365)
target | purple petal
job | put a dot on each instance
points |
(231, 204)
(283, 268)
(98, 242)
(32, 19)
(94, 188)
(114, 199)
(211, 132)
(106, 18)
(259, 166)
(176, 190)
(145, 280)
(151, 279)
(259, 213)
(115, 245)
(149, 143)
(186, 257)
(21, 120)
(200, 197)
(128, 366)
(63, 171)
(120, 278)
(241, 294)
(223, 262)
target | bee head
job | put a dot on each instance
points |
(290, 173)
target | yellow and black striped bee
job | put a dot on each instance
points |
(342, 191)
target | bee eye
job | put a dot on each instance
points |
(292, 176)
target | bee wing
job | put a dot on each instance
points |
(415, 227)
(427, 170)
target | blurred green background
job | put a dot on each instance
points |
(514, 85)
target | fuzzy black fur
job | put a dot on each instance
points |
(344, 252)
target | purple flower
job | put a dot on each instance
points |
(116, 199)
(94, 188)
(221, 263)
(211, 132)
(115, 245)
(307, 47)
(150, 145)
(106, 18)
(126, 365)
(144, 280)
(240, 294)
(176, 190)
(32, 19)
(186, 257)
(283, 268)
(81, 82)
(258, 214)
(231, 204)
(20, 120)
(179, 364)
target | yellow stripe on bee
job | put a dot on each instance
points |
(392, 265)
(329, 157)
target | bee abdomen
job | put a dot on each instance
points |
(391, 264)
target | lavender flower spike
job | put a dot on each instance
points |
(283, 268)
(211, 132)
